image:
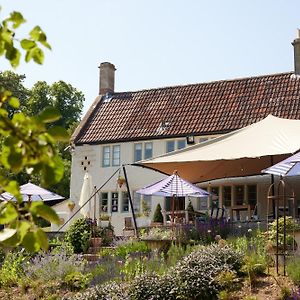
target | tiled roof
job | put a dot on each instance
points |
(201, 109)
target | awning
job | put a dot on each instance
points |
(242, 152)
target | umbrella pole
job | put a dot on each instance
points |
(173, 208)
(130, 201)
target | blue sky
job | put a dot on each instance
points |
(160, 42)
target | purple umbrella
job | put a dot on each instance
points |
(173, 186)
(287, 167)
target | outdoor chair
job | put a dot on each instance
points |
(128, 229)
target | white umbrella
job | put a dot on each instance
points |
(32, 192)
(85, 195)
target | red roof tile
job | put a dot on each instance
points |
(205, 108)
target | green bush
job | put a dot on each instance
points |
(158, 217)
(76, 281)
(12, 270)
(78, 235)
(131, 247)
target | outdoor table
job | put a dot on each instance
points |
(238, 209)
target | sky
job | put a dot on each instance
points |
(157, 43)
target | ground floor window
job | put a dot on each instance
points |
(239, 195)
(214, 199)
(179, 203)
(227, 196)
(114, 202)
(103, 202)
(252, 195)
(125, 202)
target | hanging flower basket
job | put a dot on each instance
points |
(121, 181)
(71, 205)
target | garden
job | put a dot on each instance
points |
(199, 262)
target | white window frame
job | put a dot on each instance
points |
(145, 150)
(104, 158)
(116, 155)
(135, 149)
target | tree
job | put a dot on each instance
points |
(28, 144)
(158, 217)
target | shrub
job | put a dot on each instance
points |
(12, 270)
(131, 247)
(293, 270)
(77, 281)
(79, 235)
(158, 217)
(53, 266)
(226, 280)
(108, 291)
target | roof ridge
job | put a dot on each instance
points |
(206, 82)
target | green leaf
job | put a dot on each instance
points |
(49, 115)
(59, 133)
(14, 102)
(35, 33)
(27, 44)
(17, 18)
(30, 242)
(38, 55)
(40, 209)
(7, 233)
(23, 229)
(42, 239)
(8, 213)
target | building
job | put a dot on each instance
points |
(125, 127)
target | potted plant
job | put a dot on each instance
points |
(158, 239)
(121, 180)
(71, 205)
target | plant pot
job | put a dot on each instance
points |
(71, 205)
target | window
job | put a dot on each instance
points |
(125, 202)
(179, 203)
(103, 202)
(180, 144)
(106, 156)
(136, 202)
(252, 195)
(148, 150)
(215, 197)
(239, 195)
(116, 155)
(170, 146)
(227, 196)
(114, 201)
(137, 152)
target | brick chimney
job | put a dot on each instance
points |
(296, 44)
(107, 78)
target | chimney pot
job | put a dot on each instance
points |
(107, 78)
(296, 44)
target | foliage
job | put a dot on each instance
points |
(226, 280)
(158, 217)
(78, 235)
(77, 281)
(131, 247)
(190, 209)
(11, 270)
(146, 209)
(53, 266)
(27, 144)
(156, 233)
(108, 291)
(290, 226)
(293, 270)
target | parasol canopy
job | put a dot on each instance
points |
(287, 167)
(173, 185)
(85, 195)
(32, 192)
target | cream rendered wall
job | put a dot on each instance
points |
(90, 158)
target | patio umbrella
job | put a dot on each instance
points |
(173, 186)
(85, 195)
(32, 192)
(287, 167)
